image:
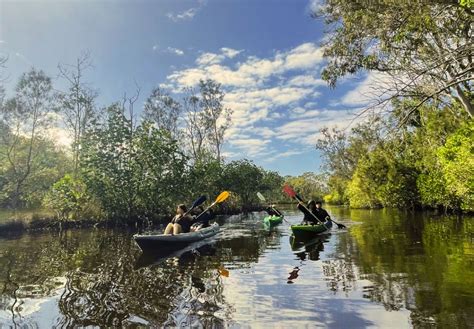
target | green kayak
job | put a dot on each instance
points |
(308, 231)
(273, 220)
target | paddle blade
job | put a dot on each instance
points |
(297, 197)
(222, 197)
(222, 271)
(261, 197)
(340, 226)
(199, 201)
(289, 191)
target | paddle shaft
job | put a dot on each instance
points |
(220, 198)
(262, 198)
(300, 199)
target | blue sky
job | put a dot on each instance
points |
(266, 54)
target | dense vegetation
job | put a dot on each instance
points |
(121, 166)
(414, 146)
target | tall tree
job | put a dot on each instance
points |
(216, 117)
(195, 130)
(77, 103)
(163, 110)
(424, 50)
(27, 115)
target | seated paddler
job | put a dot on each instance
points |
(181, 222)
(310, 217)
(272, 211)
(202, 218)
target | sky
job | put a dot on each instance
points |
(266, 54)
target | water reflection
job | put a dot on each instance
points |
(388, 267)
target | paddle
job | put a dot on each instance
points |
(220, 198)
(262, 198)
(292, 194)
(199, 201)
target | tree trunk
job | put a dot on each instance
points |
(465, 102)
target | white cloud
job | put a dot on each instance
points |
(254, 70)
(209, 58)
(368, 91)
(285, 154)
(305, 130)
(186, 14)
(169, 50)
(250, 146)
(229, 52)
(175, 51)
(306, 80)
(316, 5)
(263, 93)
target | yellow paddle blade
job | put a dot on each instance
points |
(222, 271)
(222, 197)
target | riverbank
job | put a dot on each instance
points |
(41, 219)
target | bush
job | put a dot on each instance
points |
(69, 198)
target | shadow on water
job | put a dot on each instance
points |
(388, 267)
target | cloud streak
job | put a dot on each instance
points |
(186, 15)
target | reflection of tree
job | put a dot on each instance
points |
(102, 288)
(414, 261)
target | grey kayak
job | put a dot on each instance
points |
(174, 241)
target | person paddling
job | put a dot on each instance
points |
(272, 211)
(201, 219)
(181, 223)
(321, 213)
(315, 210)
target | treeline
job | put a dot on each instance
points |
(120, 165)
(427, 163)
(415, 147)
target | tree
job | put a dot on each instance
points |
(243, 178)
(161, 109)
(195, 131)
(133, 172)
(27, 115)
(423, 50)
(309, 185)
(215, 117)
(76, 104)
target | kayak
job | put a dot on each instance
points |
(307, 231)
(273, 220)
(169, 241)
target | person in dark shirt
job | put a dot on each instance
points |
(311, 211)
(321, 213)
(272, 211)
(180, 223)
(201, 219)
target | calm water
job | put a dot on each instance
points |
(387, 270)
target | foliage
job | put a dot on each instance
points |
(309, 185)
(161, 109)
(70, 199)
(426, 163)
(133, 171)
(457, 164)
(244, 179)
(424, 50)
(26, 154)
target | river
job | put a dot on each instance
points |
(388, 269)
